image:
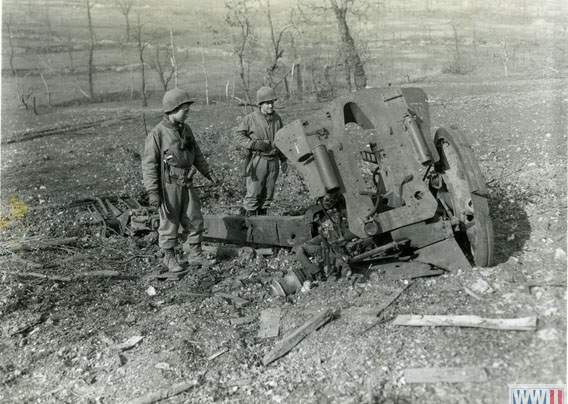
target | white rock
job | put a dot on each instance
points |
(547, 334)
(151, 291)
(560, 255)
(480, 286)
(162, 365)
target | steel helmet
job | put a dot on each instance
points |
(174, 98)
(265, 94)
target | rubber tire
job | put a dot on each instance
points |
(480, 231)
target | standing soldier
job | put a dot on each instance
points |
(256, 135)
(171, 156)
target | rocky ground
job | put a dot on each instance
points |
(63, 341)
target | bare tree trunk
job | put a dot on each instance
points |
(141, 47)
(203, 66)
(127, 27)
(299, 82)
(286, 87)
(173, 58)
(47, 91)
(160, 70)
(91, 50)
(238, 17)
(354, 61)
(457, 61)
(9, 26)
(227, 91)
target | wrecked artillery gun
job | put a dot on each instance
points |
(385, 191)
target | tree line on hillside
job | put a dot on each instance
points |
(285, 48)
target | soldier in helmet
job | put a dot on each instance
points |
(171, 156)
(256, 135)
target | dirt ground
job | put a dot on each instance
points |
(60, 340)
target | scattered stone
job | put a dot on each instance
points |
(151, 291)
(130, 343)
(560, 255)
(162, 365)
(548, 334)
(480, 287)
(246, 254)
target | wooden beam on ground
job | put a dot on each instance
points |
(82, 275)
(167, 393)
(449, 375)
(242, 320)
(36, 244)
(519, 324)
(289, 342)
(236, 300)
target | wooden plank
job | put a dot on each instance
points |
(237, 301)
(449, 375)
(32, 244)
(269, 323)
(519, 324)
(242, 320)
(218, 353)
(166, 393)
(289, 342)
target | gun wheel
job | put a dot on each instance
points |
(464, 196)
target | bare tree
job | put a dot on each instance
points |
(456, 64)
(508, 47)
(351, 59)
(164, 62)
(163, 68)
(44, 81)
(276, 48)
(8, 23)
(203, 66)
(125, 6)
(141, 46)
(238, 16)
(91, 67)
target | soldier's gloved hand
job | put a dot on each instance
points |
(284, 166)
(261, 145)
(213, 178)
(154, 200)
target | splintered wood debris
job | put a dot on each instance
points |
(289, 342)
(450, 375)
(519, 324)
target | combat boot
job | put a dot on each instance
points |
(170, 261)
(195, 255)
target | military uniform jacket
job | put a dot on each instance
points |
(256, 126)
(165, 139)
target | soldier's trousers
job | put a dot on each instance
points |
(181, 207)
(261, 183)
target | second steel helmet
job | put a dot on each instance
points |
(174, 98)
(265, 94)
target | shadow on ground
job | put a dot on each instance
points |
(510, 221)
